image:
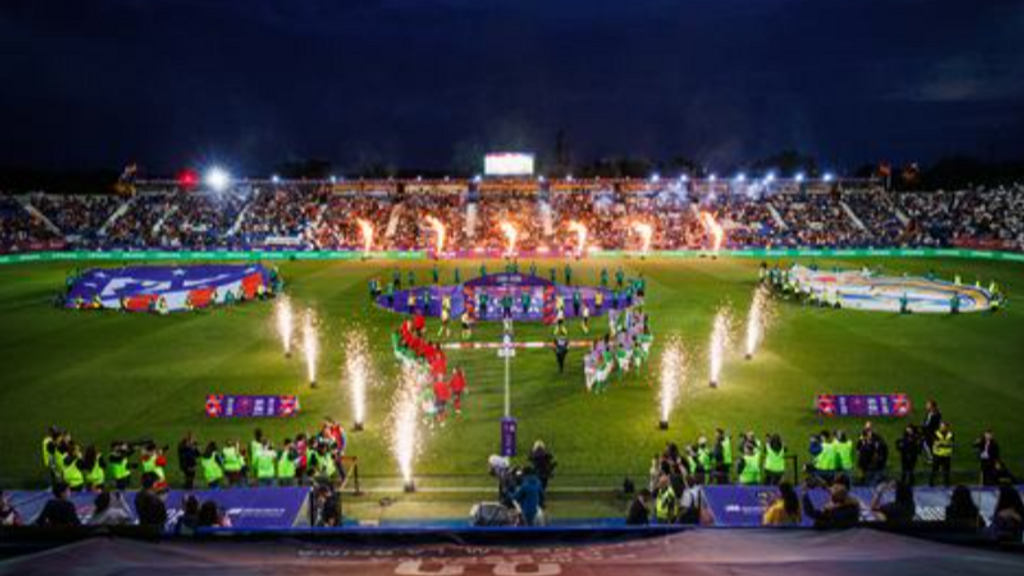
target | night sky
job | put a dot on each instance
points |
(434, 83)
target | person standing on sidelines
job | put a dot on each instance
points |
(942, 454)
(774, 460)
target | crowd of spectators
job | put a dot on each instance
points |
(316, 217)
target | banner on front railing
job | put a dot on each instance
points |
(244, 406)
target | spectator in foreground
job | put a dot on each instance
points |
(189, 519)
(528, 496)
(639, 513)
(962, 512)
(59, 510)
(150, 507)
(211, 516)
(8, 515)
(841, 511)
(902, 509)
(1008, 519)
(110, 509)
(785, 509)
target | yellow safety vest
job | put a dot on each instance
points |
(943, 445)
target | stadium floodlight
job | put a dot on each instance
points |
(828, 177)
(799, 177)
(741, 177)
(683, 178)
(275, 178)
(540, 178)
(713, 177)
(769, 178)
(217, 179)
(477, 178)
(569, 178)
(334, 179)
(655, 177)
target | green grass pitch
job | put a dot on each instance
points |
(109, 375)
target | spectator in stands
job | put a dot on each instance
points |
(841, 511)
(59, 510)
(639, 513)
(212, 516)
(962, 512)
(901, 510)
(8, 515)
(785, 509)
(150, 507)
(988, 458)
(110, 509)
(1008, 518)
(189, 519)
(529, 496)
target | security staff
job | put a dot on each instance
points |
(286, 464)
(942, 454)
(774, 460)
(210, 465)
(750, 466)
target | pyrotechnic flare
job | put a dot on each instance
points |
(714, 229)
(673, 373)
(438, 227)
(719, 345)
(511, 237)
(366, 230)
(581, 237)
(757, 320)
(310, 347)
(405, 420)
(285, 324)
(646, 232)
(357, 371)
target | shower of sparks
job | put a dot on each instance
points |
(714, 229)
(511, 237)
(357, 373)
(310, 346)
(366, 230)
(719, 345)
(581, 237)
(645, 231)
(673, 374)
(285, 323)
(757, 320)
(439, 230)
(404, 434)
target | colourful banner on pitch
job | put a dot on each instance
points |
(246, 406)
(864, 405)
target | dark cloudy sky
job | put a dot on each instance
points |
(427, 83)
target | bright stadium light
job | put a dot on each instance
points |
(569, 178)
(769, 178)
(799, 177)
(275, 179)
(334, 179)
(828, 177)
(217, 179)
(741, 177)
(477, 178)
(684, 178)
(713, 177)
(655, 177)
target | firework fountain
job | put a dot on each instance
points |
(285, 324)
(357, 372)
(715, 229)
(720, 340)
(511, 238)
(645, 231)
(404, 426)
(757, 320)
(581, 237)
(438, 227)
(673, 373)
(366, 230)
(310, 346)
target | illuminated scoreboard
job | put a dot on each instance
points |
(509, 164)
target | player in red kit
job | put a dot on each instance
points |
(458, 387)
